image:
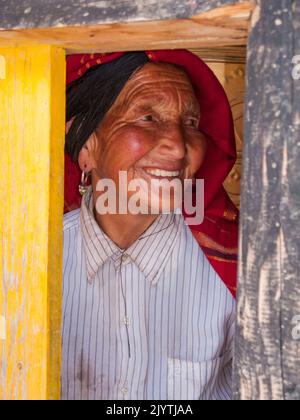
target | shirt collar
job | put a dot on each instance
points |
(150, 252)
(153, 249)
(98, 246)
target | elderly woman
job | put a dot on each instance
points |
(148, 301)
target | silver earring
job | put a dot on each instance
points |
(83, 184)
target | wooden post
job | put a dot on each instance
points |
(32, 104)
(267, 364)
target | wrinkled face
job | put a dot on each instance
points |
(151, 131)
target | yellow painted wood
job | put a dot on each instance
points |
(2, 67)
(32, 104)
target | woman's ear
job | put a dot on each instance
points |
(86, 158)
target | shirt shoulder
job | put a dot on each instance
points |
(196, 256)
(71, 220)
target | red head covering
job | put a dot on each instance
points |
(218, 234)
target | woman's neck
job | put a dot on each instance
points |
(123, 229)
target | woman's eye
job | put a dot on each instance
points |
(192, 122)
(148, 118)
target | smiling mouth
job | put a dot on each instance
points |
(161, 173)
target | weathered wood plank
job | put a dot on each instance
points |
(225, 26)
(17, 14)
(267, 364)
(225, 54)
(32, 103)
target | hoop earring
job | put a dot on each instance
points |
(83, 184)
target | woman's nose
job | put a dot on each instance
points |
(172, 142)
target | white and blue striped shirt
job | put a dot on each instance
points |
(152, 322)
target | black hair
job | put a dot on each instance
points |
(91, 96)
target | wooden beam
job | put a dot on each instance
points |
(21, 14)
(267, 364)
(32, 103)
(225, 54)
(225, 26)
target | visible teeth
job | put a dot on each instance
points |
(160, 172)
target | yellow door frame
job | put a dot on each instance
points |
(32, 104)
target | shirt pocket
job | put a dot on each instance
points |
(206, 380)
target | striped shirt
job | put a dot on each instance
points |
(153, 322)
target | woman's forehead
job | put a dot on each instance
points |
(160, 72)
(156, 79)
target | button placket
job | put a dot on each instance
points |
(125, 320)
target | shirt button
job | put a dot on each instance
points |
(127, 321)
(124, 390)
(125, 259)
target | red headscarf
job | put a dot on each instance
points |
(218, 234)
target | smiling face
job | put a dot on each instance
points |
(151, 131)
